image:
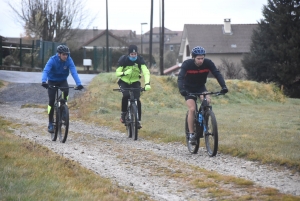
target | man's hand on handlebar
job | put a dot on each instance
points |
(45, 85)
(224, 90)
(79, 87)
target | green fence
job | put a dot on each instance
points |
(19, 52)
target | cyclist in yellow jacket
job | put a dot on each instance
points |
(129, 72)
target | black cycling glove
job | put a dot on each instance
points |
(79, 87)
(183, 92)
(45, 85)
(224, 90)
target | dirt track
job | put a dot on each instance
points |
(143, 165)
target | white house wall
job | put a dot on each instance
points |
(216, 58)
(184, 57)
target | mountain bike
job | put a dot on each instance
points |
(132, 115)
(60, 115)
(204, 123)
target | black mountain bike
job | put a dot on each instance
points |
(132, 115)
(60, 115)
(204, 123)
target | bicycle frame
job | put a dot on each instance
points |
(130, 101)
(203, 105)
(60, 106)
(206, 125)
(132, 114)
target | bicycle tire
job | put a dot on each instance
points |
(63, 123)
(55, 123)
(134, 121)
(128, 124)
(193, 149)
(211, 133)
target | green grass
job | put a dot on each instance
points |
(255, 120)
(29, 171)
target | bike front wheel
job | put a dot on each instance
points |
(134, 121)
(128, 119)
(211, 133)
(63, 123)
(55, 123)
(193, 149)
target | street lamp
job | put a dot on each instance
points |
(142, 36)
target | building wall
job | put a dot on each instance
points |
(184, 56)
(216, 58)
(101, 42)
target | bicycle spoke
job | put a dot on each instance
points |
(134, 121)
(192, 148)
(128, 119)
(64, 123)
(211, 135)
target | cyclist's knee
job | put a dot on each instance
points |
(192, 110)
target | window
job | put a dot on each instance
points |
(171, 47)
(187, 51)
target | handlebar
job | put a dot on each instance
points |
(129, 89)
(206, 93)
(58, 87)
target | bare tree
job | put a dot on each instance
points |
(51, 20)
(232, 70)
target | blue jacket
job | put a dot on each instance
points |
(57, 71)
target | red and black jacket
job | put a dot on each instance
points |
(192, 77)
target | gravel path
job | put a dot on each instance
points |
(142, 165)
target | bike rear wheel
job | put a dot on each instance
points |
(55, 123)
(211, 133)
(128, 119)
(63, 123)
(134, 121)
(192, 148)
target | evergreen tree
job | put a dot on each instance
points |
(275, 49)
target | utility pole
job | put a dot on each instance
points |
(107, 44)
(162, 39)
(151, 33)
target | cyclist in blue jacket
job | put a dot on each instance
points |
(192, 78)
(56, 73)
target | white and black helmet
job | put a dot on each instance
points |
(63, 49)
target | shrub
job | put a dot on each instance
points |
(8, 60)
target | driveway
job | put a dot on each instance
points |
(35, 77)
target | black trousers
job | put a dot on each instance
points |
(51, 95)
(126, 96)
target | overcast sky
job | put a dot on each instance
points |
(129, 14)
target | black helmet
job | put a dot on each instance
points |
(63, 49)
(198, 51)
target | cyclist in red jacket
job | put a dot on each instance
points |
(192, 78)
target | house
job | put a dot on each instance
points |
(121, 38)
(220, 41)
(172, 40)
(97, 37)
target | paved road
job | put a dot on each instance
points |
(35, 77)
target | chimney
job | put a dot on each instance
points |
(227, 26)
(95, 31)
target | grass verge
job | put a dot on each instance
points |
(255, 120)
(29, 171)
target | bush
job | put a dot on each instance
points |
(8, 60)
